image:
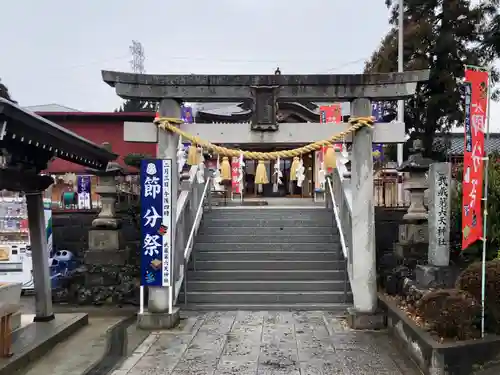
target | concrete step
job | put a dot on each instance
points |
(265, 255)
(339, 308)
(264, 275)
(260, 245)
(263, 214)
(266, 222)
(267, 297)
(261, 231)
(267, 265)
(268, 238)
(265, 286)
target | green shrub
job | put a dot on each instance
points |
(470, 281)
(451, 313)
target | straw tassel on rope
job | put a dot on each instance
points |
(225, 169)
(293, 169)
(261, 177)
(329, 159)
(193, 155)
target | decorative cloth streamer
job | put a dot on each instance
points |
(240, 173)
(225, 169)
(300, 173)
(277, 175)
(217, 176)
(181, 156)
(200, 173)
(322, 173)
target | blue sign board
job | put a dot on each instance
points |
(378, 111)
(156, 222)
(187, 114)
(467, 128)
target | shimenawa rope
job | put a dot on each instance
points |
(170, 124)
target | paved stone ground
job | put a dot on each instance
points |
(76, 354)
(265, 343)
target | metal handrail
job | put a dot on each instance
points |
(337, 216)
(189, 245)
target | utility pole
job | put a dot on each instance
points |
(401, 103)
(138, 57)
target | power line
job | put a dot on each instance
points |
(138, 61)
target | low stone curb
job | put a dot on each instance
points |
(116, 347)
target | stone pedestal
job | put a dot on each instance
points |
(430, 276)
(106, 247)
(412, 244)
(157, 321)
(366, 321)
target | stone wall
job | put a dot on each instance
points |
(387, 220)
(97, 281)
(71, 230)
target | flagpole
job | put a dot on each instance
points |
(485, 204)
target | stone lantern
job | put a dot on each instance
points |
(417, 166)
(413, 239)
(107, 190)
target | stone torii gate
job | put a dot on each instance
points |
(265, 93)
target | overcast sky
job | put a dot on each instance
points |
(53, 50)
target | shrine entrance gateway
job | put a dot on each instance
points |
(265, 93)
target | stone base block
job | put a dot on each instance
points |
(366, 321)
(429, 276)
(107, 257)
(158, 321)
(106, 239)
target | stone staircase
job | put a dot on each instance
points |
(269, 258)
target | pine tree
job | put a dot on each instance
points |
(4, 92)
(443, 36)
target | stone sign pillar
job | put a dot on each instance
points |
(439, 213)
(437, 272)
(362, 258)
(157, 315)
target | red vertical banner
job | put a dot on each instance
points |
(235, 173)
(476, 101)
(330, 113)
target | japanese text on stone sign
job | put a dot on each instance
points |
(442, 209)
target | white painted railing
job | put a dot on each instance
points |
(338, 198)
(193, 199)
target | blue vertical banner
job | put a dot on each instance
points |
(378, 111)
(187, 114)
(156, 222)
(84, 192)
